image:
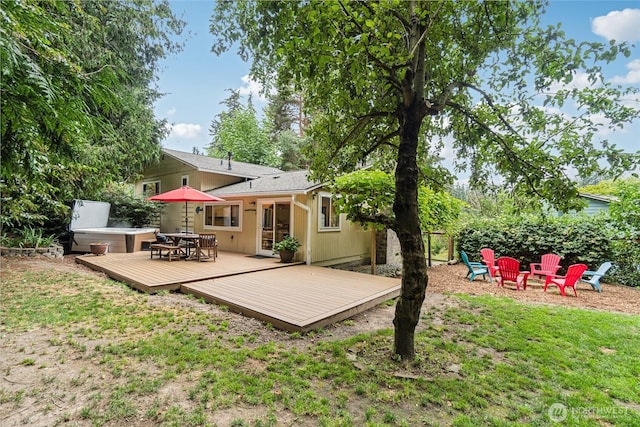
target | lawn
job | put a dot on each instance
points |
(79, 349)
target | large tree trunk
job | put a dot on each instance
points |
(405, 207)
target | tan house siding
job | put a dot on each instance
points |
(243, 241)
(299, 229)
(211, 181)
(351, 243)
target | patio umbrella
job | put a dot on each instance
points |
(185, 194)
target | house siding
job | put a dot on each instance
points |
(351, 243)
(238, 241)
(595, 206)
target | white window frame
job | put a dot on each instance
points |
(184, 180)
(155, 182)
(321, 226)
(221, 227)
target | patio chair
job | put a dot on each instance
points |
(549, 265)
(574, 273)
(510, 271)
(489, 259)
(594, 281)
(207, 242)
(475, 268)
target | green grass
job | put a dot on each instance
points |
(483, 361)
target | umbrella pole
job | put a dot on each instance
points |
(186, 218)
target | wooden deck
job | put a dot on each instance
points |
(293, 297)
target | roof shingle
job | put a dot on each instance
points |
(221, 166)
(296, 182)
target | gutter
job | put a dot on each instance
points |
(308, 237)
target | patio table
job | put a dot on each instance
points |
(190, 238)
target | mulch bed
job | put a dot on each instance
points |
(615, 298)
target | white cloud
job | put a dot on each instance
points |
(251, 87)
(633, 76)
(171, 111)
(185, 130)
(619, 26)
(580, 81)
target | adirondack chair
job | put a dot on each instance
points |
(489, 259)
(475, 268)
(510, 271)
(594, 281)
(549, 265)
(574, 273)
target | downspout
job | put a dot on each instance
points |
(308, 237)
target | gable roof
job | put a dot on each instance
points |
(296, 182)
(220, 166)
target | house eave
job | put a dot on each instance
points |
(607, 199)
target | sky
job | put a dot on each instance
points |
(196, 81)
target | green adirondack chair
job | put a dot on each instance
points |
(475, 268)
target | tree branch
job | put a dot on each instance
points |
(426, 29)
(381, 219)
(503, 144)
(382, 141)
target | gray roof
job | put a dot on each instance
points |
(607, 199)
(296, 182)
(221, 166)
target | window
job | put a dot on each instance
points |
(185, 180)
(223, 216)
(151, 188)
(329, 219)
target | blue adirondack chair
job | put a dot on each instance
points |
(594, 281)
(475, 268)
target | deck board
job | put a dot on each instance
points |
(293, 297)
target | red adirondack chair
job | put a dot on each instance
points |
(574, 273)
(489, 259)
(509, 269)
(549, 265)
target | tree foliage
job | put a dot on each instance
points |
(391, 79)
(291, 150)
(610, 187)
(626, 239)
(239, 132)
(367, 196)
(77, 99)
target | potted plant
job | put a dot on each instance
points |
(286, 248)
(99, 248)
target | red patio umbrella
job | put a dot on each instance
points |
(185, 194)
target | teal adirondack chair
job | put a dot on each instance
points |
(594, 281)
(475, 268)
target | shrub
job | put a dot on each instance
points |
(127, 208)
(28, 237)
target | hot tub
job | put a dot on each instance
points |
(88, 225)
(120, 240)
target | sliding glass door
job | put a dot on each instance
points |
(274, 222)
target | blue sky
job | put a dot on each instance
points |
(195, 81)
